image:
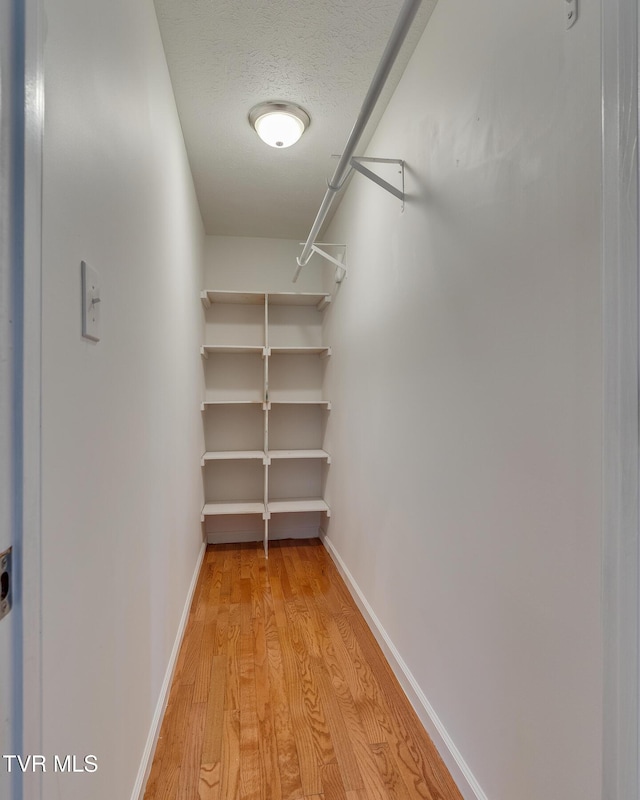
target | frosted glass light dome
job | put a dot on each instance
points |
(279, 124)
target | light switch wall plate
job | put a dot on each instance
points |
(90, 302)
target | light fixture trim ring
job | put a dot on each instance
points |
(278, 107)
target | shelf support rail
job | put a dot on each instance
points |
(398, 35)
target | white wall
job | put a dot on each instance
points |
(122, 434)
(465, 485)
(255, 264)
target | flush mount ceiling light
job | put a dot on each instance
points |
(279, 124)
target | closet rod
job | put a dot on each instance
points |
(398, 35)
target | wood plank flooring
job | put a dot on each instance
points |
(281, 692)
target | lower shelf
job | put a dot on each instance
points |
(292, 454)
(218, 509)
(207, 403)
(297, 504)
(234, 455)
(325, 403)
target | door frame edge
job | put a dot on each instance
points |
(31, 544)
(621, 375)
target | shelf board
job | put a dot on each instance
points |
(234, 455)
(300, 351)
(210, 296)
(325, 403)
(229, 348)
(206, 403)
(297, 505)
(320, 301)
(322, 454)
(238, 507)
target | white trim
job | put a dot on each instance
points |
(32, 391)
(156, 723)
(10, 379)
(620, 588)
(457, 766)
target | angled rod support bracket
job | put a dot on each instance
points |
(338, 260)
(356, 163)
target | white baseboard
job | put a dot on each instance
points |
(154, 732)
(457, 766)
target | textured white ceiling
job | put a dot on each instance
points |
(225, 56)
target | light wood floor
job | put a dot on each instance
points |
(282, 692)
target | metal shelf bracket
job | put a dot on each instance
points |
(356, 162)
(338, 260)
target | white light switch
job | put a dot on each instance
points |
(90, 303)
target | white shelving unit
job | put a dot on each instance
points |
(263, 411)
